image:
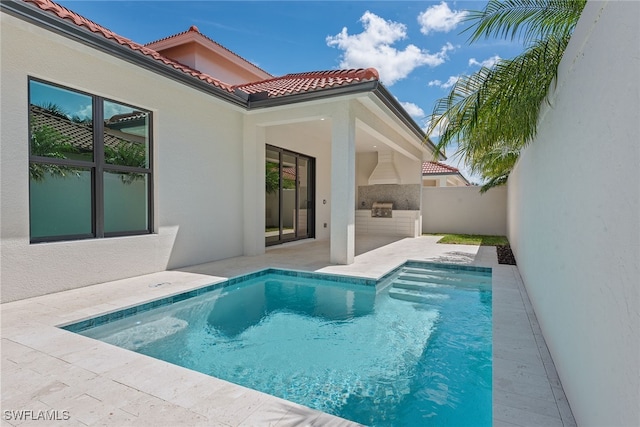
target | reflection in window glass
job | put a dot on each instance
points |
(272, 196)
(125, 202)
(60, 123)
(60, 202)
(288, 214)
(75, 194)
(126, 135)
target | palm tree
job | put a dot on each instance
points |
(492, 114)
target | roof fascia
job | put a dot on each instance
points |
(48, 21)
(440, 174)
(392, 103)
(373, 86)
(355, 88)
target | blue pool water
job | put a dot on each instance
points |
(415, 349)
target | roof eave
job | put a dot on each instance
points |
(51, 22)
(353, 88)
(392, 103)
(373, 86)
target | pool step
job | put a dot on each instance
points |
(443, 278)
(449, 273)
(416, 296)
(419, 286)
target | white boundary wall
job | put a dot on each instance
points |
(463, 210)
(574, 217)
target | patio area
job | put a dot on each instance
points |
(48, 369)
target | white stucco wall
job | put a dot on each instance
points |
(463, 210)
(574, 217)
(291, 138)
(198, 169)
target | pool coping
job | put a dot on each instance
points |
(47, 368)
(81, 325)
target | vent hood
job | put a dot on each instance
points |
(385, 171)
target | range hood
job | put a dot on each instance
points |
(385, 171)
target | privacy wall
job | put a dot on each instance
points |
(463, 210)
(574, 217)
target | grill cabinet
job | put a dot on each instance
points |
(381, 210)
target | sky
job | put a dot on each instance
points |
(419, 48)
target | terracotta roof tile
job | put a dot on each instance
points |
(437, 168)
(194, 29)
(277, 87)
(64, 13)
(308, 82)
(80, 134)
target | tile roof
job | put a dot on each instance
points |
(80, 134)
(194, 29)
(277, 87)
(437, 168)
(307, 82)
(64, 13)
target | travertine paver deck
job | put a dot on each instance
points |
(48, 369)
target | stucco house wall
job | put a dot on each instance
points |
(198, 169)
(313, 145)
(574, 217)
(208, 148)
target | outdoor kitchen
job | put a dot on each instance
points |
(388, 195)
(392, 209)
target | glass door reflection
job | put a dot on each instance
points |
(288, 196)
(272, 205)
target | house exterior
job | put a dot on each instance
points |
(119, 159)
(438, 174)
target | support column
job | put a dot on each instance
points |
(253, 151)
(343, 182)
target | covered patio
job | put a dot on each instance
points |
(46, 368)
(362, 149)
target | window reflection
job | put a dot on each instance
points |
(126, 135)
(70, 198)
(60, 123)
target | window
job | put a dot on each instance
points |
(90, 169)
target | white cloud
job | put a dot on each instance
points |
(413, 110)
(85, 112)
(489, 62)
(446, 85)
(440, 18)
(374, 48)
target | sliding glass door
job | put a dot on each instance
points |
(289, 196)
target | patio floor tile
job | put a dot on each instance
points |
(47, 368)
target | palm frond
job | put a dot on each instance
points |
(525, 19)
(495, 110)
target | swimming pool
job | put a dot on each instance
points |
(410, 349)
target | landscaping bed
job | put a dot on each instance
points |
(503, 250)
(505, 256)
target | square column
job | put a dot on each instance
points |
(343, 182)
(253, 151)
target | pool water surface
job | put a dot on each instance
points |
(413, 349)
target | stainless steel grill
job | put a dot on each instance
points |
(382, 209)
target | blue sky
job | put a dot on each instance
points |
(417, 46)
